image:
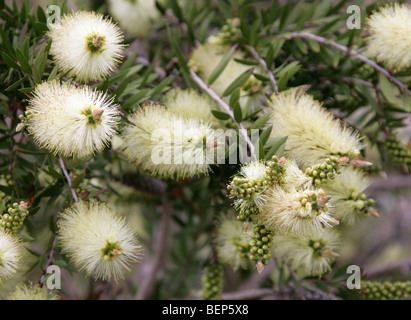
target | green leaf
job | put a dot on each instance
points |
(260, 122)
(220, 115)
(53, 74)
(137, 98)
(221, 65)
(23, 61)
(235, 97)
(388, 90)
(238, 114)
(9, 61)
(276, 147)
(16, 84)
(266, 134)
(25, 238)
(238, 82)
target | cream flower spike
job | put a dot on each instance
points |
(297, 212)
(69, 120)
(313, 133)
(98, 241)
(347, 195)
(10, 254)
(135, 17)
(232, 243)
(31, 291)
(390, 38)
(168, 145)
(311, 255)
(86, 45)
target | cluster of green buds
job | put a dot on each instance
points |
(313, 202)
(212, 282)
(24, 119)
(13, 215)
(8, 180)
(275, 171)
(230, 32)
(260, 246)
(373, 170)
(245, 213)
(321, 173)
(399, 152)
(373, 290)
(321, 249)
(363, 204)
(242, 246)
(243, 188)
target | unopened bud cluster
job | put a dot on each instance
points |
(372, 290)
(212, 282)
(399, 152)
(324, 172)
(372, 170)
(260, 246)
(24, 119)
(230, 32)
(321, 250)
(244, 188)
(363, 204)
(313, 202)
(14, 214)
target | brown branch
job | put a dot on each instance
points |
(262, 62)
(54, 244)
(160, 251)
(226, 108)
(348, 51)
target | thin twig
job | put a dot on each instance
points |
(226, 108)
(262, 62)
(348, 51)
(63, 168)
(54, 244)
(160, 252)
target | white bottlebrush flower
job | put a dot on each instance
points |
(346, 192)
(294, 177)
(191, 104)
(10, 254)
(135, 17)
(296, 212)
(308, 255)
(313, 133)
(31, 291)
(232, 243)
(86, 45)
(71, 121)
(206, 57)
(168, 145)
(390, 39)
(97, 240)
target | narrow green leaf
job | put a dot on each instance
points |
(23, 61)
(53, 74)
(238, 114)
(9, 61)
(266, 134)
(238, 82)
(275, 148)
(220, 115)
(16, 84)
(235, 97)
(260, 122)
(221, 65)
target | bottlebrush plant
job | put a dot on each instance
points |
(179, 149)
